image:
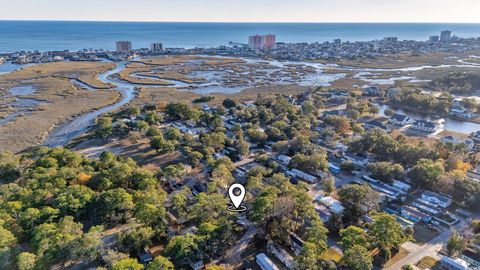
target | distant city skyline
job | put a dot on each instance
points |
(461, 11)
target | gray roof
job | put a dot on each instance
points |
(399, 117)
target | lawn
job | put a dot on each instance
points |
(422, 234)
(428, 262)
(402, 253)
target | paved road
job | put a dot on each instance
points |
(430, 248)
(418, 252)
(234, 254)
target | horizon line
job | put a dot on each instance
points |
(237, 22)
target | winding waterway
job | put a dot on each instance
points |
(64, 133)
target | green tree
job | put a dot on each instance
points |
(104, 127)
(209, 207)
(26, 261)
(455, 245)
(317, 234)
(114, 205)
(328, 184)
(357, 258)
(182, 111)
(386, 232)
(309, 257)
(153, 131)
(242, 147)
(339, 123)
(127, 264)
(141, 125)
(358, 200)
(347, 166)
(310, 164)
(74, 200)
(172, 134)
(89, 245)
(183, 249)
(427, 172)
(160, 263)
(9, 166)
(385, 147)
(53, 241)
(229, 103)
(7, 240)
(136, 237)
(161, 145)
(353, 236)
(385, 171)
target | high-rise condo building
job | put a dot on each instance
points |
(434, 38)
(268, 41)
(445, 35)
(124, 46)
(156, 48)
(265, 42)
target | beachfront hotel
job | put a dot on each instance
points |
(124, 46)
(261, 42)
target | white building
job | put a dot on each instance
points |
(454, 264)
(399, 119)
(265, 263)
(285, 160)
(332, 204)
(303, 175)
(425, 126)
(282, 255)
(436, 199)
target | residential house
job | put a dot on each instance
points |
(402, 186)
(323, 212)
(436, 199)
(285, 160)
(399, 119)
(475, 136)
(197, 265)
(357, 160)
(332, 204)
(385, 189)
(302, 175)
(458, 110)
(472, 257)
(474, 176)
(282, 255)
(426, 206)
(413, 214)
(377, 124)
(425, 126)
(265, 263)
(454, 264)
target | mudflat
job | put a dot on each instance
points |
(55, 100)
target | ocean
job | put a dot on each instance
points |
(61, 35)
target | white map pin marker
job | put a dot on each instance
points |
(236, 199)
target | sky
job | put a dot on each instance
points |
(244, 10)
